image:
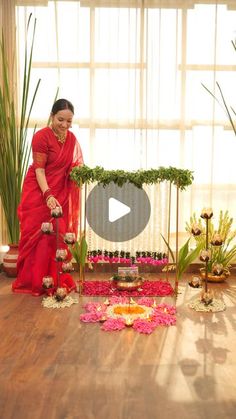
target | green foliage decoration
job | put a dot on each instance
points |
(85, 174)
(79, 251)
(186, 256)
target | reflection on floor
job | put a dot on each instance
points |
(53, 366)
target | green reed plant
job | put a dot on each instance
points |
(220, 99)
(14, 147)
(79, 251)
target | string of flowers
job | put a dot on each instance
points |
(145, 257)
(85, 174)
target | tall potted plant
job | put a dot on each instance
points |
(14, 147)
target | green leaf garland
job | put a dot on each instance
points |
(85, 174)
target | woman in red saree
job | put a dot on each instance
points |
(47, 185)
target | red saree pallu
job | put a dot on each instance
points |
(37, 250)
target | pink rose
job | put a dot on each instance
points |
(144, 326)
(90, 317)
(113, 324)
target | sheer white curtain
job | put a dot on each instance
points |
(133, 70)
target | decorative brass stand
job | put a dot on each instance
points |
(82, 232)
(206, 261)
(177, 242)
(168, 232)
(57, 297)
(57, 247)
(206, 302)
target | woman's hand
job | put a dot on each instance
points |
(52, 202)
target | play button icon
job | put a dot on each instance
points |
(117, 214)
(117, 209)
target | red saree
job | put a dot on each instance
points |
(37, 250)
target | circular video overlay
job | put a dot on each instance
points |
(118, 214)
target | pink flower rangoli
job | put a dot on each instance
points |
(116, 313)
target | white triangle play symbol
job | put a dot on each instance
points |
(117, 209)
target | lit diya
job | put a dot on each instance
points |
(129, 322)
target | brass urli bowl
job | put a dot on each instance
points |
(214, 278)
(124, 285)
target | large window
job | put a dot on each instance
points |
(135, 77)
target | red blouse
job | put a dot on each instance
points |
(46, 147)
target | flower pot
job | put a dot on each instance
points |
(10, 261)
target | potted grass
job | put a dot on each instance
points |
(14, 147)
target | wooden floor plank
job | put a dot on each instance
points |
(53, 366)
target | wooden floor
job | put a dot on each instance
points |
(54, 367)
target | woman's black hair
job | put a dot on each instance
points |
(60, 105)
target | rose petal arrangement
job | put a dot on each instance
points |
(116, 313)
(106, 288)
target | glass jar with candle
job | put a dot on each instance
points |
(61, 293)
(67, 267)
(56, 212)
(69, 238)
(48, 282)
(47, 228)
(61, 255)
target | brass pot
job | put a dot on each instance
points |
(214, 278)
(123, 285)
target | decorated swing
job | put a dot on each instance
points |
(177, 180)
